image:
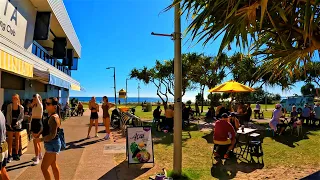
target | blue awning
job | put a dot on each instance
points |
(53, 80)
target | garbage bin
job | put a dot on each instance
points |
(148, 108)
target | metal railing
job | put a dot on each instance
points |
(43, 54)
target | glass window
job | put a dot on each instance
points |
(34, 49)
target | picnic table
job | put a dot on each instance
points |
(245, 134)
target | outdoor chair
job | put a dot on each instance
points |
(255, 150)
(298, 128)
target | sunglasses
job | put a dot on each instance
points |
(47, 103)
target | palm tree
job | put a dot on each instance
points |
(284, 33)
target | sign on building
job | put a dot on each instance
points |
(13, 25)
(139, 145)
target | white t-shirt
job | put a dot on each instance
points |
(37, 111)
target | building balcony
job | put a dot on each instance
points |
(43, 54)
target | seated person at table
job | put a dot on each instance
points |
(224, 137)
(294, 114)
(234, 121)
(210, 113)
(185, 114)
(276, 114)
(169, 117)
(156, 114)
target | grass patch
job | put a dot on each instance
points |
(287, 151)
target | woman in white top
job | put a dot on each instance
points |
(277, 113)
(36, 126)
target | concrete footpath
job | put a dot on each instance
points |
(83, 158)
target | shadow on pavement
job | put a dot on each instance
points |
(19, 166)
(230, 168)
(75, 145)
(122, 171)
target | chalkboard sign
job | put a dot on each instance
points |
(139, 145)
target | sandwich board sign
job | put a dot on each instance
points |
(139, 145)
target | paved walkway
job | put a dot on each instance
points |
(84, 159)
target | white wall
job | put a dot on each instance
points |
(28, 11)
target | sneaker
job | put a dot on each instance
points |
(10, 159)
(96, 135)
(107, 137)
(36, 162)
(16, 157)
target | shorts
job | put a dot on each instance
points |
(53, 146)
(94, 115)
(14, 129)
(36, 125)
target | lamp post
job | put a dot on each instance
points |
(139, 93)
(127, 91)
(114, 84)
(177, 142)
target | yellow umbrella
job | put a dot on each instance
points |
(231, 87)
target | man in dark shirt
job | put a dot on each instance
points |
(224, 137)
(248, 112)
(185, 114)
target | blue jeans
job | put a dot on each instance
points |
(53, 146)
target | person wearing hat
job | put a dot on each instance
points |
(305, 114)
(224, 137)
(233, 120)
(276, 114)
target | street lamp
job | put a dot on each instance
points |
(114, 84)
(127, 91)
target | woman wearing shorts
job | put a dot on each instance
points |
(94, 108)
(52, 143)
(106, 116)
(15, 115)
(36, 126)
(4, 148)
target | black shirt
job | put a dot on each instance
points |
(156, 113)
(15, 115)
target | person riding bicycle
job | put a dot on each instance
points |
(224, 137)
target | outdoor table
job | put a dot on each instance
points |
(246, 133)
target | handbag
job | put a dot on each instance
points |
(62, 140)
(4, 147)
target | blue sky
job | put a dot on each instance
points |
(117, 33)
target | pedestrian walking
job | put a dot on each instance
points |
(52, 142)
(106, 116)
(36, 126)
(94, 108)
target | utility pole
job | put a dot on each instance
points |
(114, 84)
(127, 91)
(177, 141)
(177, 146)
(138, 93)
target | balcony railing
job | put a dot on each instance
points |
(43, 54)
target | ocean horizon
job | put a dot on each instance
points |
(122, 100)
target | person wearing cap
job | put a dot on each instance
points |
(224, 137)
(233, 120)
(305, 114)
(276, 114)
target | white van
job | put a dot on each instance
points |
(298, 101)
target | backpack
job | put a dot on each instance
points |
(62, 140)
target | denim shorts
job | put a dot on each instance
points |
(53, 146)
